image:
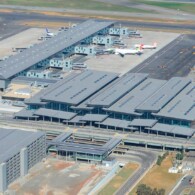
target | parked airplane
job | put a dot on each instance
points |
(123, 52)
(146, 46)
(49, 33)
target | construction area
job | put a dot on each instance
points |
(72, 178)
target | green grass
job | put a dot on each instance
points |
(187, 7)
(73, 4)
(119, 179)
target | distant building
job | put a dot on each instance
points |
(20, 150)
(173, 170)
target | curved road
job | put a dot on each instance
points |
(146, 159)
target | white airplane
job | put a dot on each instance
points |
(123, 52)
(154, 46)
(50, 34)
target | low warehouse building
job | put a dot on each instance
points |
(20, 150)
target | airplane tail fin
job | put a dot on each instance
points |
(155, 44)
(47, 30)
(140, 48)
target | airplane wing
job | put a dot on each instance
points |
(122, 55)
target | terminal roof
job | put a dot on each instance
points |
(37, 99)
(117, 89)
(181, 107)
(173, 129)
(12, 141)
(25, 113)
(164, 95)
(76, 90)
(29, 57)
(116, 123)
(143, 122)
(55, 113)
(137, 96)
(94, 117)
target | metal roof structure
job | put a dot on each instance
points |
(36, 99)
(76, 90)
(55, 113)
(164, 95)
(143, 122)
(117, 89)
(137, 96)
(94, 117)
(116, 123)
(62, 137)
(39, 81)
(185, 131)
(29, 57)
(182, 106)
(12, 141)
(82, 148)
(112, 143)
(25, 113)
(86, 148)
(76, 119)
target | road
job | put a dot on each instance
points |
(183, 184)
(7, 120)
(146, 159)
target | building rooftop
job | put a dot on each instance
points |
(78, 89)
(173, 129)
(137, 96)
(12, 141)
(182, 106)
(43, 50)
(94, 117)
(116, 123)
(164, 95)
(117, 89)
(55, 113)
(143, 122)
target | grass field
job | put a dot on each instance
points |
(73, 4)
(158, 177)
(187, 7)
(119, 179)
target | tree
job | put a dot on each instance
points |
(179, 156)
(161, 191)
(143, 189)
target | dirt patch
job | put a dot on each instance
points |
(62, 165)
(58, 177)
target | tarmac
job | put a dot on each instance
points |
(174, 60)
(124, 64)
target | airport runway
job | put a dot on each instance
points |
(175, 59)
(9, 28)
(24, 16)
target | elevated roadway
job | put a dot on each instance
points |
(131, 139)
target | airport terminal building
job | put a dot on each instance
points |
(56, 51)
(132, 102)
(20, 150)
